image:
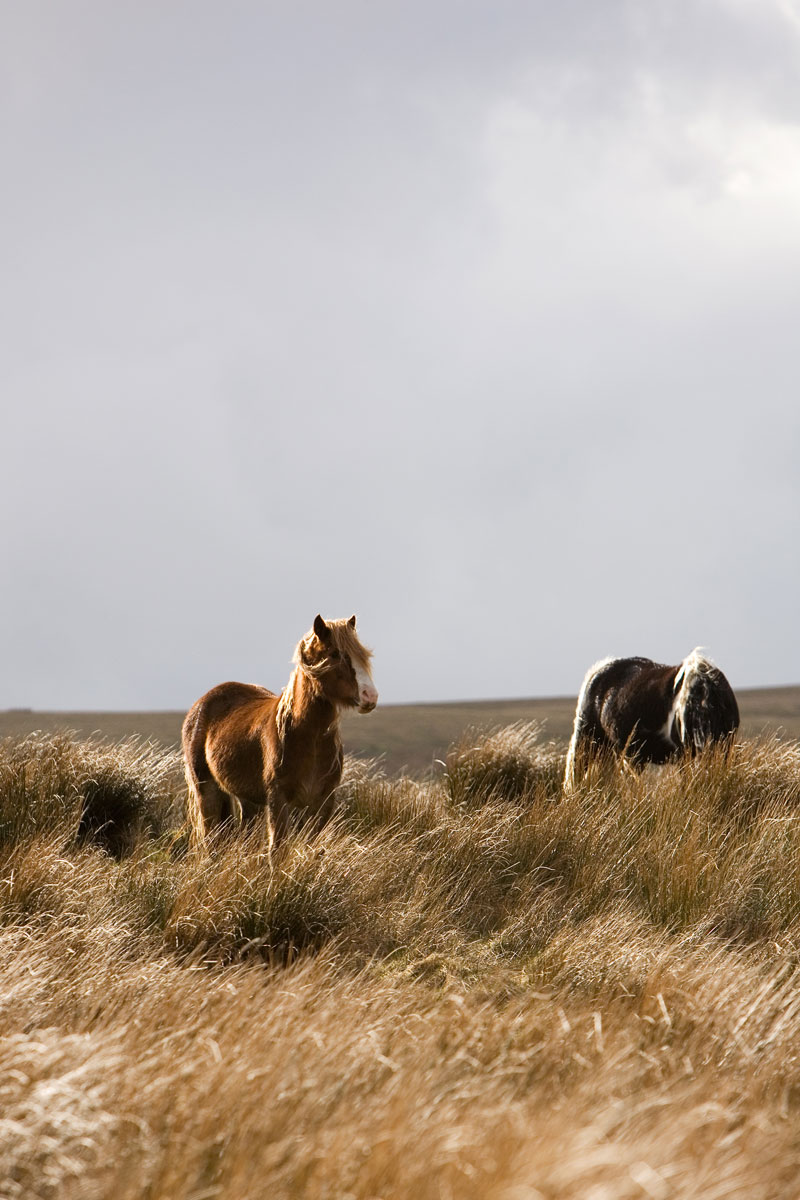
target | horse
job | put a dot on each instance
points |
(645, 712)
(248, 751)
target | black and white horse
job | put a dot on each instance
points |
(649, 713)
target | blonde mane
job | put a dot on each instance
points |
(284, 710)
(344, 639)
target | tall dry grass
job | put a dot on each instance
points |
(472, 987)
(107, 793)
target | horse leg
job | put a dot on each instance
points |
(587, 741)
(253, 816)
(320, 818)
(279, 821)
(218, 810)
(576, 761)
(201, 809)
(209, 807)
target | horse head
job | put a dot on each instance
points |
(332, 654)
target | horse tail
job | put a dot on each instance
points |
(195, 765)
(705, 705)
(586, 730)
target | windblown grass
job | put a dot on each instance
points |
(472, 987)
(86, 790)
(508, 764)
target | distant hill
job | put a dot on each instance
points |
(409, 736)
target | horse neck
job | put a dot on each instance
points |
(304, 705)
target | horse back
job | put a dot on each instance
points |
(633, 700)
(230, 697)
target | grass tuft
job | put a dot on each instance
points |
(109, 794)
(508, 764)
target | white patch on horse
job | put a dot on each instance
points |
(667, 731)
(367, 692)
(693, 667)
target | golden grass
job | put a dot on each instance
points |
(473, 987)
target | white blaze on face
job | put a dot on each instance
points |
(367, 692)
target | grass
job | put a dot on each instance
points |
(107, 793)
(467, 986)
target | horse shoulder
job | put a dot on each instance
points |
(311, 766)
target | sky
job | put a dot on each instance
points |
(477, 319)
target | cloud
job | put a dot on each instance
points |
(474, 320)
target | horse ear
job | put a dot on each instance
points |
(321, 629)
(352, 621)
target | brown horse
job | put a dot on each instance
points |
(248, 750)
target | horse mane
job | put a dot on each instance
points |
(705, 707)
(284, 710)
(344, 640)
(695, 664)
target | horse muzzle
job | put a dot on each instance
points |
(367, 699)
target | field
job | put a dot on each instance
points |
(471, 985)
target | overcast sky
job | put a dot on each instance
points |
(480, 320)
